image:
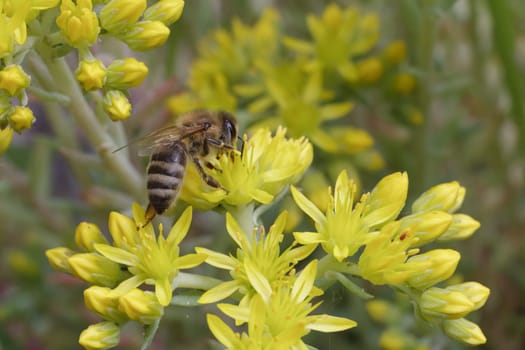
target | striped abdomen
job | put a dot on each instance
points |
(165, 175)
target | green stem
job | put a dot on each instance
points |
(420, 21)
(194, 281)
(244, 215)
(504, 41)
(96, 133)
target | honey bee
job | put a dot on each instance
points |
(196, 136)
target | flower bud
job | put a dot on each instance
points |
(369, 70)
(97, 299)
(96, 269)
(427, 226)
(78, 23)
(395, 52)
(146, 35)
(126, 73)
(87, 234)
(117, 105)
(443, 263)
(444, 304)
(461, 227)
(91, 74)
(58, 258)
(386, 200)
(476, 292)
(393, 340)
(13, 79)
(166, 11)
(100, 336)
(119, 15)
(141, 306)
(381, 310)
(6, 136)
(464, 331)
(21, 118)
(404, 84)
(446, 197)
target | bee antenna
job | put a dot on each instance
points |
(242, 144)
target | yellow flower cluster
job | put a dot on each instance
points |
(392, 254)
(116, 271)
(308, 86)
(276, 303)
(267, 164)
(80, 25)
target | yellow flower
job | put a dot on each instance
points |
(392, 340)
(86, 235)
(118, 15)
(461, 227)
(434, 266)
(267, 164)
(6, 136)
(280, 321)
(150, 259)
(96, 269)
(446, 197)
(13, 79)
(465, 331)
(395, 52)
(58, 258)
(145, 35)
(21, 118)
(404, 83)
(99, 300)
(141, 306)
(13, 17)
(258, 263)
(116, 105)
(428, 226)
(338, 36)
(351, 140)
(383, 259)
(344, 228)
(78, 23)
(369, 70)
(126, 73)
(444, 304)
(100, 336)
(91, 74)
(298, 94)
(166, 11)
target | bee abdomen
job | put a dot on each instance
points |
(165, 175)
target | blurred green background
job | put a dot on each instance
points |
(469, 57)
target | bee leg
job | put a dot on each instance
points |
(150, 214)
(212, 167)
(210, 180)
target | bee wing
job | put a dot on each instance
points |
(163, 138)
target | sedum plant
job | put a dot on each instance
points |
(277, 272)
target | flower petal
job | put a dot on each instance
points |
(115, 254)
(223, 333)
(219, 260)
(219, 292)
(126, 285)
(190, 260)
(235, 231)
(181, 227)
(307, 206)
(308, 237)
(238, 313)
(258, 280)
(304, 283)
(163, 291)
(326, 323)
